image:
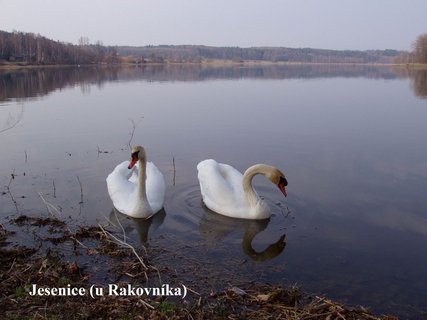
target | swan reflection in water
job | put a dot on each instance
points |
(216, 227)
(142, 226)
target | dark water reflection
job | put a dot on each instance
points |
(29, 83)
(215, 227)
(143, 227)
(419, 85)
(418, 78)
(351, 141)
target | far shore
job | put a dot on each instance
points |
(214, 63)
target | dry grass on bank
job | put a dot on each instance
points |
(21, 266)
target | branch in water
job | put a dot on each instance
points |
(134, 125)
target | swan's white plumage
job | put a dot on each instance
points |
(122, 186)
(222, 191)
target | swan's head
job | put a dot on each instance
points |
(278, 178)
(271, 173)
(137, 153)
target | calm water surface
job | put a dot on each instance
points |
(351, 141)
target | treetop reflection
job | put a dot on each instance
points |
(34, 83)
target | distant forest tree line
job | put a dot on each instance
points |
(29, 48)
(195, 53)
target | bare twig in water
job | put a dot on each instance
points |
(54, 189)
(100, 151)
(81, 190)
(12, 177)
(288, 211)
(124, 244)
(134, 125)
(75, 239)
(174, 170)
(50, 207)
(26, 156)
(132, 133)
(11, 121)
(120, 224)
(127, 245)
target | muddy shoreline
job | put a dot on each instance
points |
(60, 257)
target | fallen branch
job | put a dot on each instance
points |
(121, 226)
(124, 244)
(49, 206)
(146, 304)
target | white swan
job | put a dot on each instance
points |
(141, 194)
(226, 191)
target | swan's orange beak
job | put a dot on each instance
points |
(282, 186)
(133, 160)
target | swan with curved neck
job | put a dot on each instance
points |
(141, 194)
(226, 191)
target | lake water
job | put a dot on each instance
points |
(351, 141)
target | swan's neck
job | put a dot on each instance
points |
(142, 201)
(249, 174)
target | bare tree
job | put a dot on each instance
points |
(83, 41)
(420, 49)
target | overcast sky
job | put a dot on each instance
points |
(327, 24)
